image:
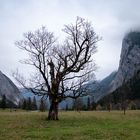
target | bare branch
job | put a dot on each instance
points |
(64, 68)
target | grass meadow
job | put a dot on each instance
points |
(84, 125)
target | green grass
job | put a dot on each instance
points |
(90, 125)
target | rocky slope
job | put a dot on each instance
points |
(129, 66)
(129, 61)
(101, 88)
(8, 88)
(104, 86)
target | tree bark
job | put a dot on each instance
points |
(53, 111)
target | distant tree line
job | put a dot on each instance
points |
(25, 104)
(31, 104)
(125, 97)
(80, 104)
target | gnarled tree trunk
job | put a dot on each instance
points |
(60, 69)
(53, 111)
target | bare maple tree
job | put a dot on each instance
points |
(61, 69)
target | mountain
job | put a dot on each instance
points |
(129, 61)
(26, 94)
(104, 86)
(128, 73)
(9, 89)
(100, 88)
(134, 84)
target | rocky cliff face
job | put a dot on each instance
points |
(128, 70)
(8, 88)
(129, 61)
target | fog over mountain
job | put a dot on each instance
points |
(128, 70)
(111, 20)
(129, 61)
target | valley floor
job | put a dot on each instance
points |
(84, 125)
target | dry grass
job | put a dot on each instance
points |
(86, 125)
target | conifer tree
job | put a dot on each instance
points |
(67, 107)
(34, 104)
(42, 106)
(29, 104)
(24, 104)
(3, 102)
(88, 103)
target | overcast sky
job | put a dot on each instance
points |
(111, 19)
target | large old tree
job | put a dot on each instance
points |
(61, 68)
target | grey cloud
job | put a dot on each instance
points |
(112, 19)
